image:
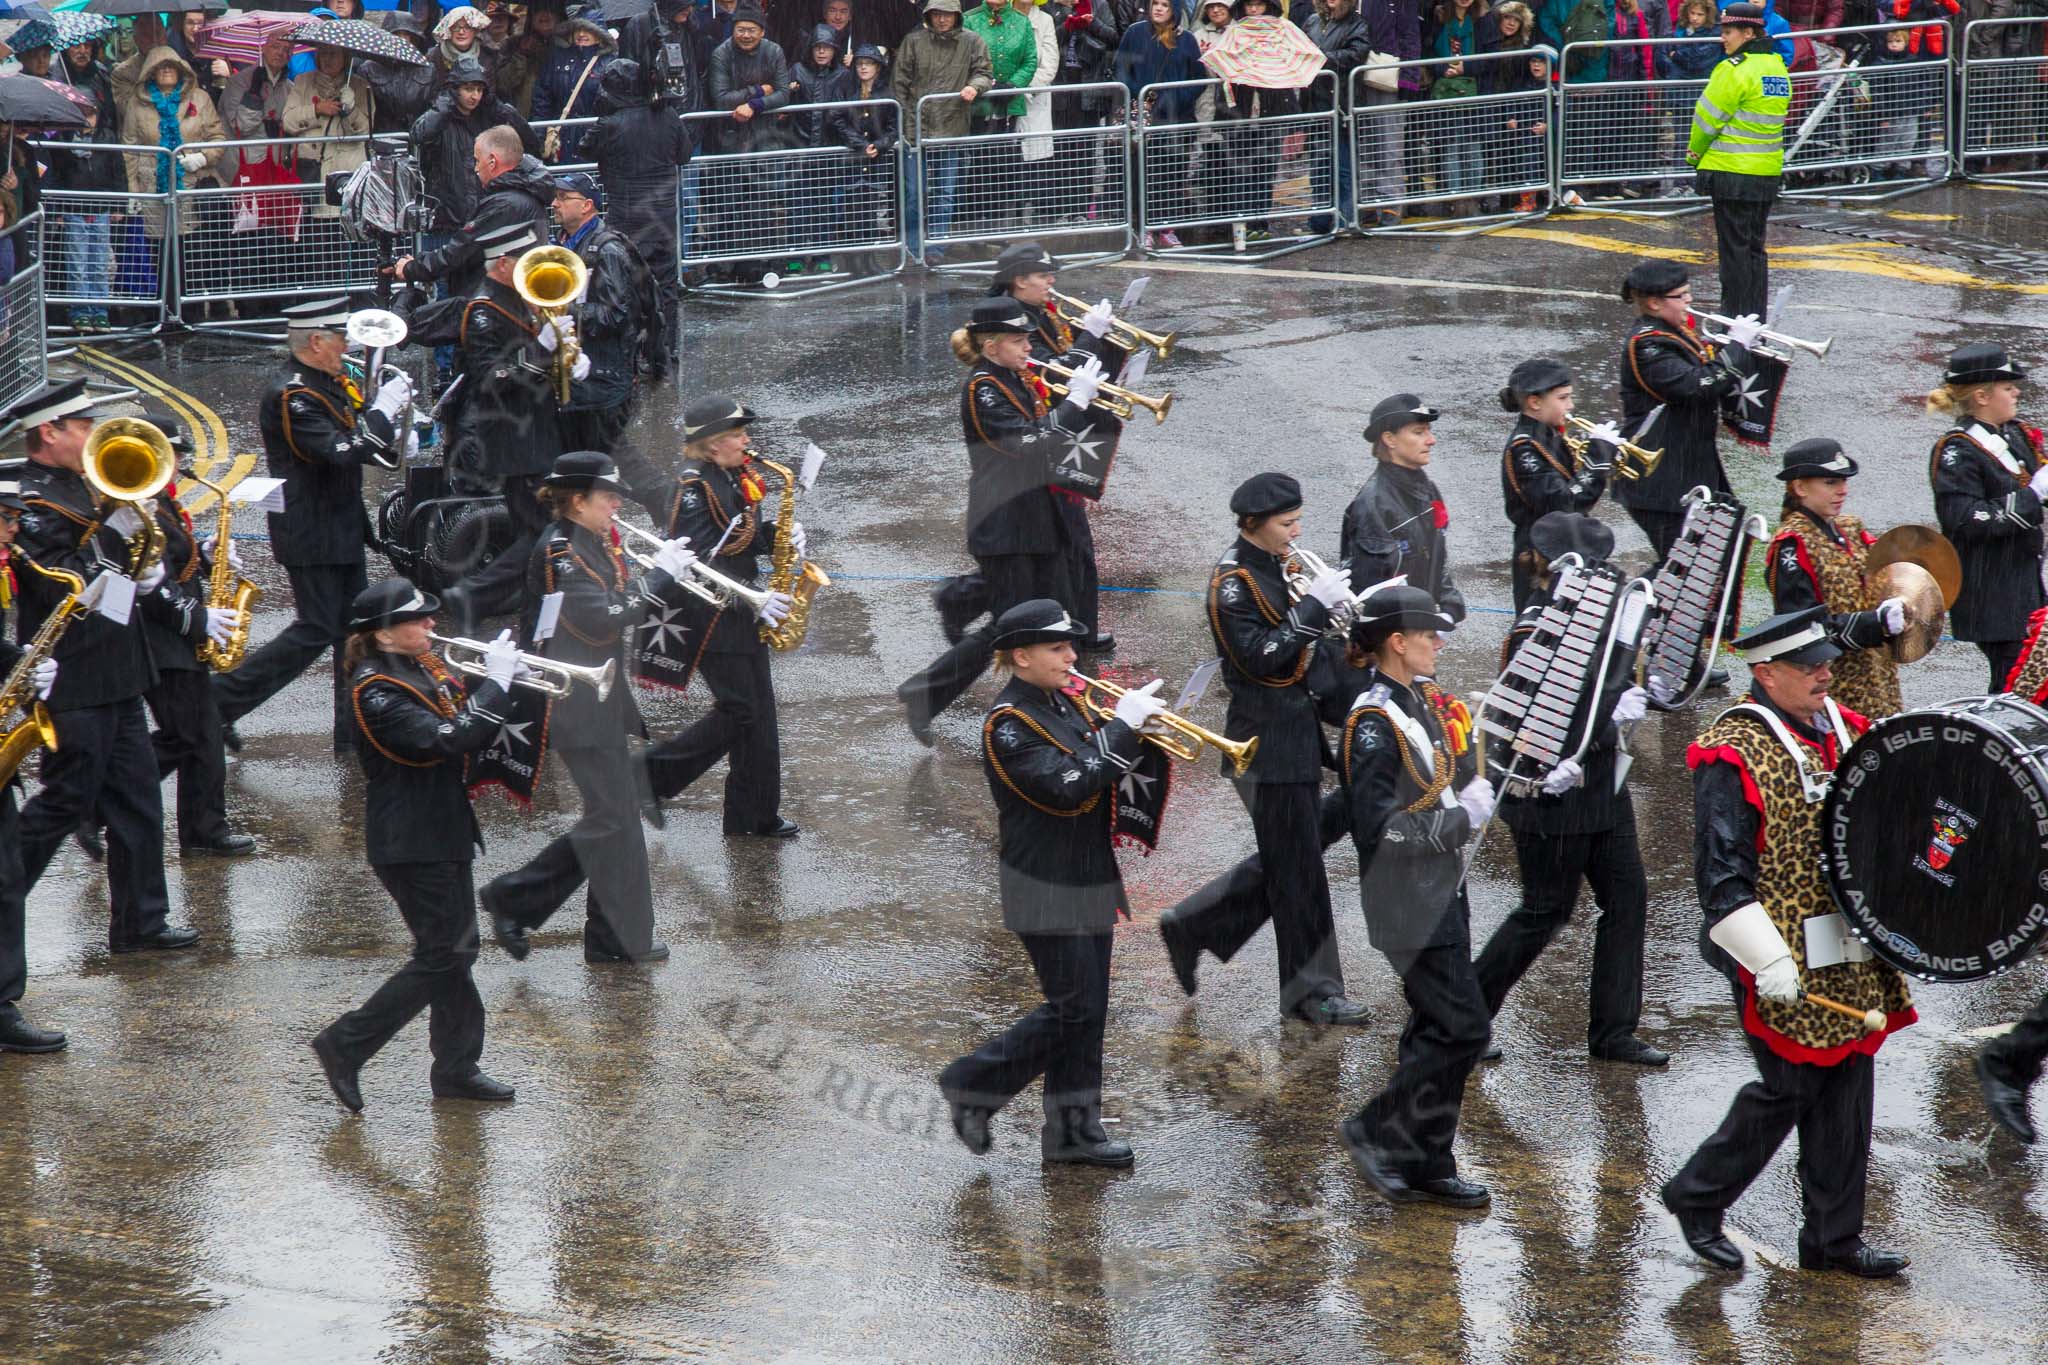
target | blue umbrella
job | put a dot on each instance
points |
(60, 30)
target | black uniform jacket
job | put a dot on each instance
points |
(1594, 804)
(1539, 475)
(612, 319)
(1795, 586)
(416, 727)
(600, 607)
(508, 395)
(1054, 778)
(1396, 526)
(1660, 364)
(1011, 443)
(174, 616)
(98, 662)
(1411, 883)
(703, 501)
(1269, 650)
(1995, 522)
(316, 441)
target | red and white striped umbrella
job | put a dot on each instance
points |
(239, 41)
(1264, 51)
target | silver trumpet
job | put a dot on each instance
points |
(1311, 567)
(551, 676)
(1817, 349)
(704, 581)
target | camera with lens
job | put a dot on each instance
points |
(672, 68)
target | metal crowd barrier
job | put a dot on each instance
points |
(1244, 173)
(795, 220)
(2005, 102)
(1626, 140)
(106, 249)
(24, 353)
(1496, 145)
(1073, 182)
(267, 241)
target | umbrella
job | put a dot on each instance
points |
(33, 102)
(360, 37)
(1264, 51)
(24, 11)
(614, 10)
(60, 30)
(130, 8)
(240, 41)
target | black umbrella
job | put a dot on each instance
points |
(362, 38)
(129, 8)
(614, 10)
(32, 102)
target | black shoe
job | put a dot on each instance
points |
(1632, 1050)
(475, 1086)
(1492, 1053)
(1181, 951)
(1453, 1192)
(595, 955)
(1717, 678)
(1372, 1163)
(1103, 643)
(916, 716)
(233, 844)
(230, 740)
(780, 829)
(341, 1077)
(2006, 1099)
(92, 842)
(19, 1035)
(1702, 1232)
(1864, 1262)
(162, 941)
(509, 933)
(970, 1125)
(650, 799)
(1326, 1010)
(1076, 1137)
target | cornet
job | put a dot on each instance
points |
(705, 581)
(1125, 334)
(1644, 461)
(1121, 402)
(1178, 735)
(1817, 349)
(551, 676)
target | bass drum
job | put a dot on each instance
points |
(1934, 838)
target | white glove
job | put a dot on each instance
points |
(126, 521)
(1331, 587)
(1562, 778)
(1096, 321)
(798, 540)
(1139, 705)
(193, 162)
(1477, 799)
(151, 578)
(1892, 612)
(45, 676)
(775, 610)
(347, 101)
(546, 336)
(1633, 704)
(501, 660)
(221, 623)
(1604, 431)
(1744, 331)
(392, 396)
(1660, 691)
(675, 557)
(2038, 485)
(555, 331)
(412, 446)
(1779, 981)
(1085, 383)
(213, 552)
(579, 369)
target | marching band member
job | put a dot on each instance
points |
(1014, 527)
(2007, 1068)
(1989, 479)
(1580, 828)
(1760, 772)
(1817, 559)
(102, 760)
(17, 1034)
(1269, 648)
(316, 441)
(1052, 773)
(1396, 523)
(1538, 472)
(715, 500)
(417, 725)
(1416, 800)
(600, 606)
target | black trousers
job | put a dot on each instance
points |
(187, 742)
(1060, 1040)
(604, 847)
(741, 727)
(1081, 581)
(438, 901)
(590, 429)
(1286, 883)
(1011, 579)
(1414, 1117)
(1611, 862)
(1662, 528)
(13, 899)
(2000, 655)
(499, 587)
(1830, 1106)
(2016, 1055)
(1739, 226)
(103, 762)
(321, 596)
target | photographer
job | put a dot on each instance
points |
(669, 52)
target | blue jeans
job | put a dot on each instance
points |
(88, 258)
(444, 356)
(942, 190)
(1464, 165)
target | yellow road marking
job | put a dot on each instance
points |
(209, 456)
(1905, 217)
(1594, 241)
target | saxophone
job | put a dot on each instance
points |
(783, 574)
(35, 730)
(227, 591)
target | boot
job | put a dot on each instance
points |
(1074, 1134)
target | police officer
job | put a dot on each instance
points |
(16, 1033)
(1539, 474)
(1396, 523)
(419, 724)
(1738, 146)
(316, 436)
(1015, 530)
(615, 322)
(1051, 771)
(102, 759)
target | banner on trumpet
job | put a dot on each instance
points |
(512, 762)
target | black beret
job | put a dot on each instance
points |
(1557, 534)
(1654, 279)
(1264, 494)
(1021, 258)
(1817, 458)
(1539, 374)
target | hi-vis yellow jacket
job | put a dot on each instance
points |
(1739, 123)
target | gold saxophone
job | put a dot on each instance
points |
(783, 574)
(227, 591)
(35, 730)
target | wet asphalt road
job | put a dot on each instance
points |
(740, 1154)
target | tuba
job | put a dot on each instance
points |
(128, 461)
(35, 730)
(784, 576)
(227, 590)
(550, 278)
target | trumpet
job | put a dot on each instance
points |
(1120, 401)
(705, 581)
(551, 676)
(1125, 334)
(1311, 567)
(1644, 461)
(1817, 349)
(1177, 735)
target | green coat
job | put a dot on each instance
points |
(1012, 52)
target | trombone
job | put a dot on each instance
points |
(1817, 349)
(551, 676)
(1120, 401)
(1644, 461)
(705, 581)
(1128, 335)
(1177, 735)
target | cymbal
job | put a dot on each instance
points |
(1925, 612)
(1922, 545)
